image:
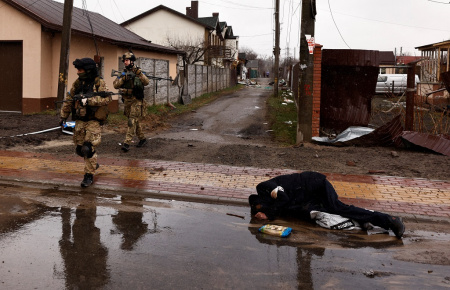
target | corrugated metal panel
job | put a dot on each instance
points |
(349, 78)
(50, 15)
(436, 143)
(350, 57)
(386, 135)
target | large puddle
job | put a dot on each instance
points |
(57, 240)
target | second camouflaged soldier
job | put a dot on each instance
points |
(131, 86)
(88, 114)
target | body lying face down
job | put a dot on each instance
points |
(297, 194)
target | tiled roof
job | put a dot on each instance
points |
(50, 14)
(210, 21)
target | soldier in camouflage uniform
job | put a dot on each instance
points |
(131, 86)
(88, 114)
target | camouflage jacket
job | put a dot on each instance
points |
(96, 106)
(126, 85)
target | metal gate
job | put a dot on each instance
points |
(11, 81)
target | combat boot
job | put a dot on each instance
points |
(142, 142)
(87, 180)
(125, 147)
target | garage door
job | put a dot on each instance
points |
(11, 80)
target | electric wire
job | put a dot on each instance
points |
(240, 8)
(119, 10)
(439, 2)
(387, 22)
(239, 4)
(336, 25)
(86, 12)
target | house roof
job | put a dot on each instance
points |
(433, 46)
(50, 15)
(162, 7)
(387, 58)
(223, 24)
(405, 59)
(212, 21)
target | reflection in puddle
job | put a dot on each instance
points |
(84, 256)
(116, 242)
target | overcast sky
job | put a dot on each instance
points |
(356, 24)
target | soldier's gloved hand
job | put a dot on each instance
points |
(124, 75)
(84, 102)
(137, 71)
(62, 121)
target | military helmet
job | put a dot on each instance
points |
(85, 63)
(128, 55)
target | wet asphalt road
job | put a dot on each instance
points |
(52, 239)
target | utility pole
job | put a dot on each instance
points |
(276, 50)
(305, 85)
(65, 49)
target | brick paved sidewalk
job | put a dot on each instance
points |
(225, 183)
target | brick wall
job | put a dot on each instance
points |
(317, 77)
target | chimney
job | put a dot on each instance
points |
(193, 10)
(215, 14)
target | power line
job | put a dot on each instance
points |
(255, 35)
(118, 10)
(240, 8)
(86, 12)
(438, 2)
(336, 25)
(239, 4)
(387, 22)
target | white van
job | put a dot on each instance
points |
(393, 83)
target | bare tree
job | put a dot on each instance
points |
(250, 54)
(194, 48)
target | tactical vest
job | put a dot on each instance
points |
(136, 87)
(88, 113)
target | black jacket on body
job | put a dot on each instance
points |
(304, 192)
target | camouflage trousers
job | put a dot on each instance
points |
(135, 110)
(88, 131)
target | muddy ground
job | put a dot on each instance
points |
(263, 154)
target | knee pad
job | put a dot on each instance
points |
(130, 123)
(78, 151)
(86, 150)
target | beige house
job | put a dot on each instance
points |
(165, 26)
(30, 43)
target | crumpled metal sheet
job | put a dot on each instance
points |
(437, 143)
(386, 135)
(346, 135)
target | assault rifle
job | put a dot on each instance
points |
(130, 74)
(79, 97)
